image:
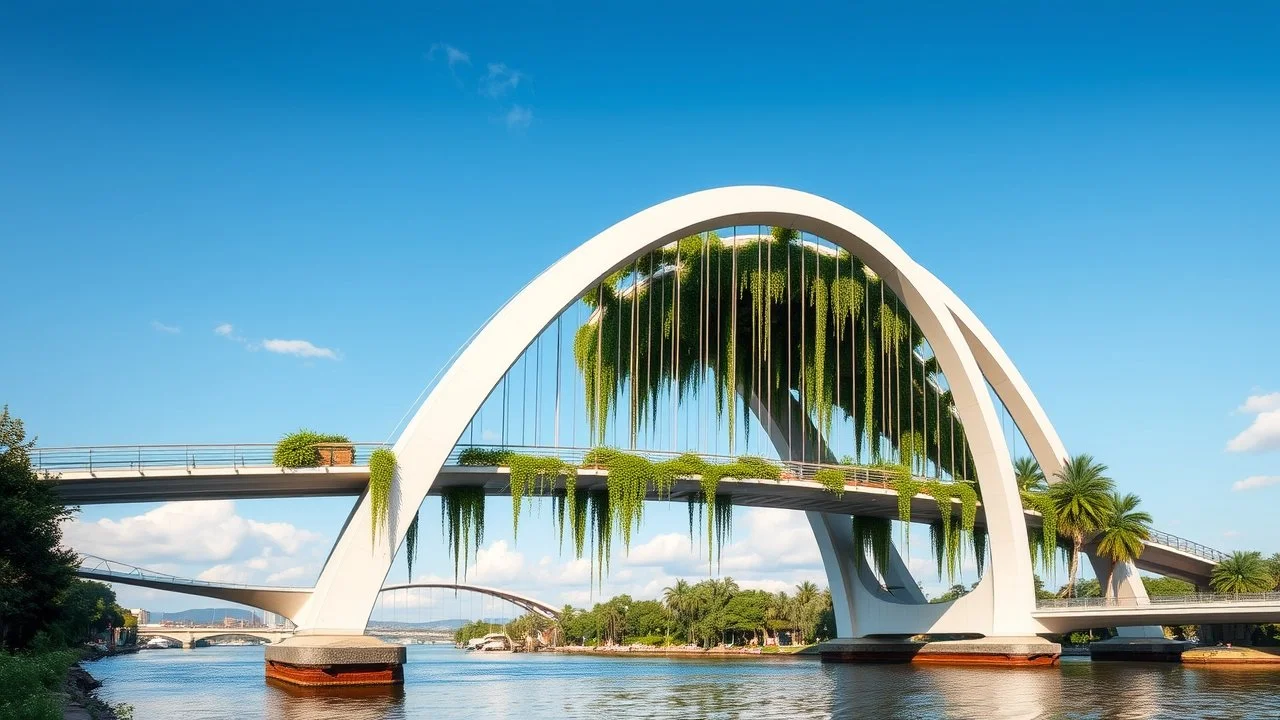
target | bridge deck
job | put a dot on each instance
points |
(87, 476)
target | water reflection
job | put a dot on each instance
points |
(224, 683)
(290, 702)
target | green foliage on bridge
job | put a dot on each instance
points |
(299, 449)
(768, 317)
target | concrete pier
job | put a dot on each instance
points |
(1008, 651)
(335, 660)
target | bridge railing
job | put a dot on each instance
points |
(855, 475)
(140, 457)
(1264, 598)
(113, 568)
(1173, 541)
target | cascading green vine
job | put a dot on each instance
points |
(1044, 544)
(598, 512)
(382, 472)
(680, 311)
(462, 517)
(872, 535)
(533, 474)
(411, 544)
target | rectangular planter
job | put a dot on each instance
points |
(336, 454)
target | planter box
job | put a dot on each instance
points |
(336, 454)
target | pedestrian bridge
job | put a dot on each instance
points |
(163, 473)
(756, 320)
(283, 601)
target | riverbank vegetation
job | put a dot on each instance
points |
(45, 611)
(707, 613)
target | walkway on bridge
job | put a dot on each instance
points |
(158, 473)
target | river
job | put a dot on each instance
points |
(226, 683)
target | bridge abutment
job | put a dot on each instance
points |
(334, 661)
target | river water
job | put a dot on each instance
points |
(226, 683)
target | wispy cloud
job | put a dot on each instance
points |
(519, 117)
(500, 80)
(1231, 534)
(297, 348)
(167, 329)
(300, 348)
(1264, 432)
(1254, 482)
(500, 83)
(453, 57)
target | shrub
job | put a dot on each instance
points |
(484, 457)
(298, 449)
(33, 682)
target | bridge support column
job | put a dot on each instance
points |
(335, 660)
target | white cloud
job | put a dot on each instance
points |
(1254, 482)
(167, 329)
(500, 80)
(225, 330)
(300, 348)
(188, 532)
(490, 436)
(226, 574)
(1263, 434)
(452, 55)
(1260, 403)
(519, 117)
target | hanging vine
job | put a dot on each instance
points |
(533, 475)
(871, 535)
(382, 472)
(462, 517)
(411, 544)
(712, 293)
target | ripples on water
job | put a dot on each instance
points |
(226, 683)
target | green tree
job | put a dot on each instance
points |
(1273, 566)
(1242, 572)
(647, 618)
(1029, 476)
(1082, 498)
(35, 571)
(1123, 533)
(681, 603)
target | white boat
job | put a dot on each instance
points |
(493, 642)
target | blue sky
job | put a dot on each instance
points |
(1097, 182)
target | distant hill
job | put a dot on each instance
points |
(205, 616)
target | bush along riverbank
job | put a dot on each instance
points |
(52, 685)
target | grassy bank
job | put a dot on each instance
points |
(31, 684)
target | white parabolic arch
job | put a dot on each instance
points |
(348, 586)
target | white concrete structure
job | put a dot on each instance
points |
(1004, 604)
(189, 636)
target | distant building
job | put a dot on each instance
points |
(144, 617)
(270, 619)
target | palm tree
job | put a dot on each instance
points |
(1082, 497)
(1243, 572)
(680, 600)
(1121, 537)
(1273, 564)
(1028, 474)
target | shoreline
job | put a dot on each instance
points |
(80, 689)
(679, 651)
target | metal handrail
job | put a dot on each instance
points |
(855, 475)
(1173, 541)
(138, 457)
(102, 566)
(1268, 598)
